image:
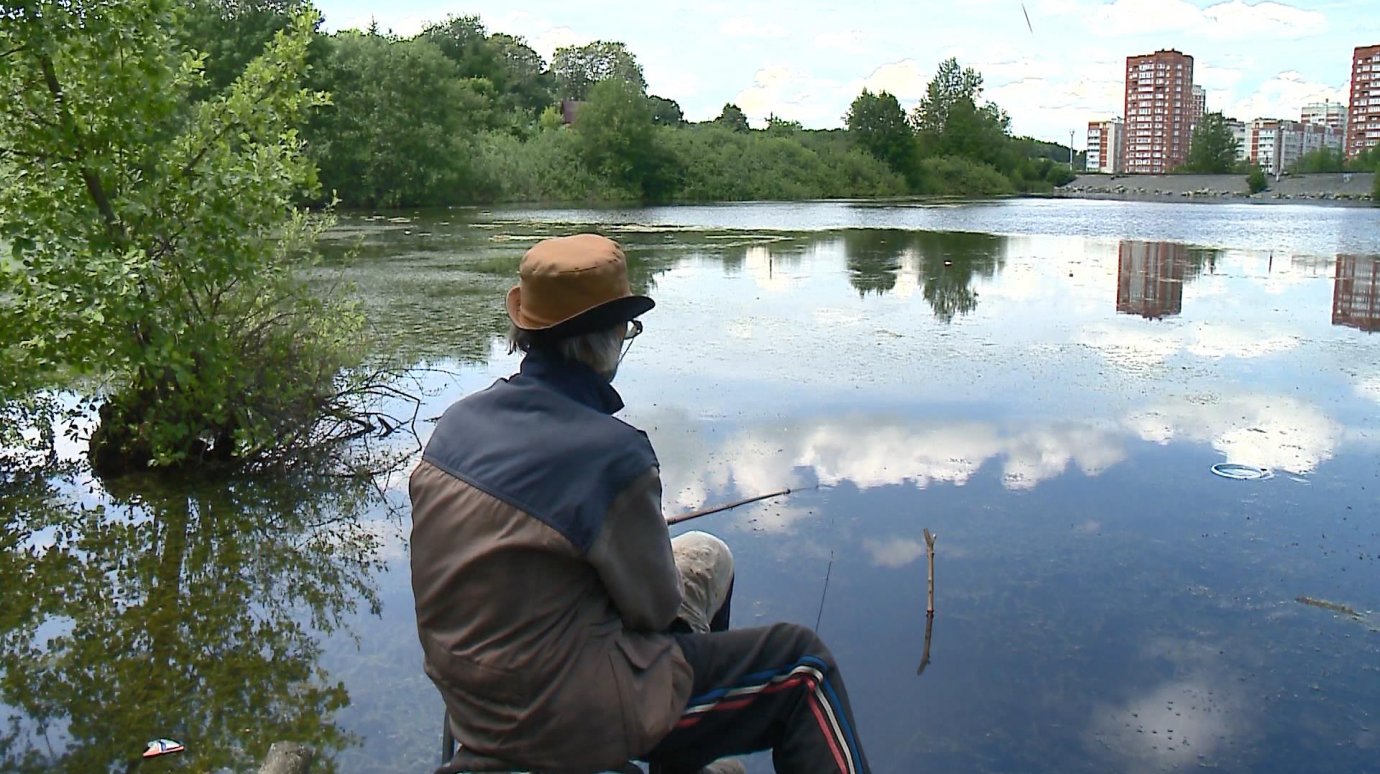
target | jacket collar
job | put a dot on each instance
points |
(576, 381)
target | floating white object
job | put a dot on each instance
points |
(1240, 472)
(159, 747)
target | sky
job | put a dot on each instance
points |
(806, 60)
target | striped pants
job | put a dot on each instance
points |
(774, 687)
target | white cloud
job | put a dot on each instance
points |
(794, 95)
(548, 40)
(1254, 21)
(405, 25)
(1146, 17)
(905, 80)
(1130, 346)
(1283, 96)
(1170, 727)
(1232, 20)
(747, 27)
(869, 452)
(893, 553)
(1369, 388)
(1213, 79)
(1270, 431)
(1131, 349)
(1223, 341)
(1173, 724)
(842, 40)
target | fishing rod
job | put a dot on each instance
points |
(728, 506)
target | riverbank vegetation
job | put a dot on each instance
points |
(155, 244)
(459, 114)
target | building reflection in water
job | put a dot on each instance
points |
(1150, 278)
(1356, 292)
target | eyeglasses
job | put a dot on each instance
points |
(634, 330)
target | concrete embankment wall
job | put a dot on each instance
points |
(1343, 187)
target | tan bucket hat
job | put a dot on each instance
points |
(572, 285)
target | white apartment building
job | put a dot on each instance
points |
(1241, 131)
(1276, 145)
(1105, 147)
(1331, 114)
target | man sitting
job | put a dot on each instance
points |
(564, 628)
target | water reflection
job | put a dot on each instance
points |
(431, 283)
(1356, 292)
(1189, 717)
(870, 451)
(186, 611)
(943, 264)
(1273, 431)
(1151, 276)
(874, 259)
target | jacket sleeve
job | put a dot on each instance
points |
(632, 554)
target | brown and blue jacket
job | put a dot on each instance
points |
(543, 575)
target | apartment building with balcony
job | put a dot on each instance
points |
(1275, 145)
(1159, 109)
(1197, 109)
(1363, 117)
(1329, 114)
(1105, 147)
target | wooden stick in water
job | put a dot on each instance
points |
(930, 537)
(929, 606)
(925, 656)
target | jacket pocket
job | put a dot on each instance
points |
(643, 672)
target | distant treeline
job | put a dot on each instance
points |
(458, 114)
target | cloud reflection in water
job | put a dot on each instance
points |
(872, 451)
(1271, 431)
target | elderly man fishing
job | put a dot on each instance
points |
(564, 628)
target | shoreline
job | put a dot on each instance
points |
(1331, 189)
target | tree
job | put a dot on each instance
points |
(153, 241)
(732, 116)
(1375, 188)
(617, 138)
(517, 72)
(666, 112)
(1367, 160)
(578, 68)
(189, 611)
(231, 33)
(1213, 147)
(1320, 160)
(877, 124)
(395, 133)
(950, 122)
(1256, 180)
(782, 127)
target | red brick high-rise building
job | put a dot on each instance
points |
(1159, 111)
(1363, 120)
(1356, 292)
(1150, 278)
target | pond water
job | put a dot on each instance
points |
(1044, 384)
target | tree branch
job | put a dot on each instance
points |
(94, 187)
(32, 155)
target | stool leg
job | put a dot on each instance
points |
(447, 739)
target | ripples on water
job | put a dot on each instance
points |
(1046, 390)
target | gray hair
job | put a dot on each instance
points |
(599, 350)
